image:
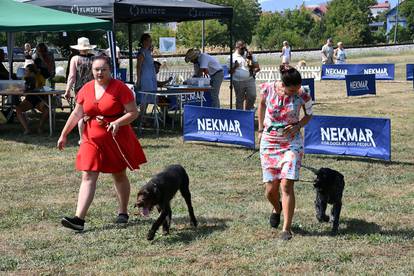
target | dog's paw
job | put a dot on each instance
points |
(334, 232)
(150, 235)
(323, 218)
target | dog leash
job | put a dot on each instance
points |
(251, 154)
(102, 122)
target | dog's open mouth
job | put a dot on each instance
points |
(145, 212)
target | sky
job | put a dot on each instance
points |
(280, 5)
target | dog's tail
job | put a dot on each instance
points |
(310, 169)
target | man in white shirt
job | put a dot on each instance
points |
(327, 52)
(207, 66)
(117, 54)
(244, 69)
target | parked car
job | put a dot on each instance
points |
(18, 53)
(56, 52)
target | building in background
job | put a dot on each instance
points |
(379, 8)
(392, 19)
(318, 11)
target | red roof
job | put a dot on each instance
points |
(322, 7)
(385, 5)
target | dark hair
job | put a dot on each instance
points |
(42, 46)
(103, 57)
(31, 68)
(239, 42)
(143, 38)
(290, 76)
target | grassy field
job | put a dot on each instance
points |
(38, 185)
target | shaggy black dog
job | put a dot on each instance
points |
(159, 191)
(329, 185)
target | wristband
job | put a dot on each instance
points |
(260, 130)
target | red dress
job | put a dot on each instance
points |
(99, 150)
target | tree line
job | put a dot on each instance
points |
(346, 20)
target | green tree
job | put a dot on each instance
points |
(189, 33)
(348, 21)
(297, 26)
(403, 35)
(407, 10)
(246, 14)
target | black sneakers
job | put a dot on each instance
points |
(274, 218)
(74, 223)
(122, 218)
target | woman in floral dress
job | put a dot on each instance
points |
(281, 143)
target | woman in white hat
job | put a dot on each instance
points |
(80, 71)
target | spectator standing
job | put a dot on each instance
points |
(80, 72)
(117, 54)
(244, 69)
(4, 73)
(146, 77)
(27, 54)
(286, 53)
(327, 52)
(206, 66)
(45, 63)
(339, 54)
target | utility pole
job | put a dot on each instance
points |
(396, 23)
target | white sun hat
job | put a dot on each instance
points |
(83, 44)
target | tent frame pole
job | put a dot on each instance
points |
(231, 62)
(113, 47)
(131, 65)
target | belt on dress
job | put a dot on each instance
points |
(101, 118)
(104, 123)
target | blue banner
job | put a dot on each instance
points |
(191, 99)
(122, 74)
(409, 70)
(219, 125)
(368, 137)
(311, 84)
(358, 85)
(339, 71)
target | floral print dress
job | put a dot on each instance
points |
(281, 156)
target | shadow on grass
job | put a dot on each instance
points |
(346, 227)
(357, 227)
(206, 227)
(178, 232)
(363, 160)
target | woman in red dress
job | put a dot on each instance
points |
(109, 144)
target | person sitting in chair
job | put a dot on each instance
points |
(34, 81)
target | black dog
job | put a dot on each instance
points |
(159, 191)
(329, 185)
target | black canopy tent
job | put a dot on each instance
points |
(144, 11)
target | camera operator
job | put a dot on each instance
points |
(244, 69)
